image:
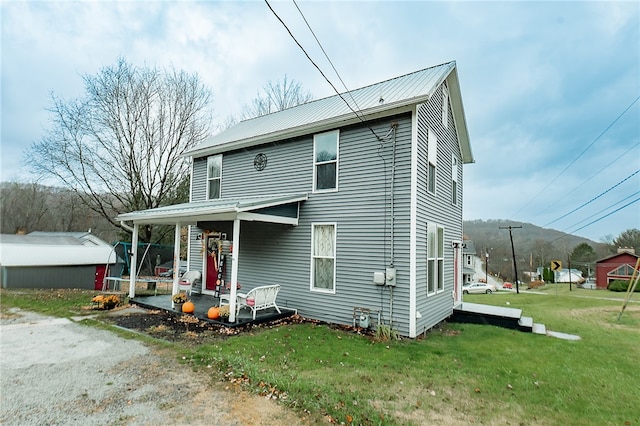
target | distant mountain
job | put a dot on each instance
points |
(534, 246)
(478, 230)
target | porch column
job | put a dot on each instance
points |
(176, 260)
(133, 265)
(234, 270)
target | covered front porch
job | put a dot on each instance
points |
(275, 209)
(202, 304)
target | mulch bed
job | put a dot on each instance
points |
(176, 327)
(179, 328)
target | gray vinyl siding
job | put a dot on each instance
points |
(199, 179)
(436, 209)
(82, 276)
(281, 254)
(271, 253)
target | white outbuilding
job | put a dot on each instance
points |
(56, 260)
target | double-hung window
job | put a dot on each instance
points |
(445, 106)
(432, 155)
(435, 258)
(323, 257)
(325, 161)
(454, 180)
(214, 177)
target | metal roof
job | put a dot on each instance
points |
(220, 209)
(86, 238)
(42, 250)
(378, 100)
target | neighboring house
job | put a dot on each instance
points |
(569, 276)
(470, 262)
(56, 260)
(619, 266)
(344, 210)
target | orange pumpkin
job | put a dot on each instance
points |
(213, 312)
(188, 307)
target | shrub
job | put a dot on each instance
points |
(621, 285)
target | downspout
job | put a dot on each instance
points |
(394, 126)
(393, 176)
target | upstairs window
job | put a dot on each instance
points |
(214, 177)
(454, 180)
(445, 106)
(325, 161)
(432, 154)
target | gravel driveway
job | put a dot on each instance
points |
(57, 372)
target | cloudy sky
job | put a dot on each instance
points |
(550, 89)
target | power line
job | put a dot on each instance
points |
(594, 198)
(318, 68)
(607, 215)
(606, 167)
(326, 55)
(580, 155)
(604, 209)
(600, 218)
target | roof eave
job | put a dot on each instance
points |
(459, 117)
(316, 127)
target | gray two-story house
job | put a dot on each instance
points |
(349, 202)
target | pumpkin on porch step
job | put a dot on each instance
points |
(213, 312)
(188, 307)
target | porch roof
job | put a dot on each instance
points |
(270, 208)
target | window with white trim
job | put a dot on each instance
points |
(445, 106)
(454, 179)
(435, 258)
(323, 257)
(214, 177)
(325, 161)
(432, 155)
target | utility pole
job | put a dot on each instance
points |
(569, 263)
(486, 267)
(513, 253)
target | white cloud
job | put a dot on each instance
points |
(540, 80)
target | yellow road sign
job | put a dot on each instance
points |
(556, 265)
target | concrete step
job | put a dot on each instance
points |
(539, 328)
(526, 322)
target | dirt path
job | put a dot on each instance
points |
(54, 371)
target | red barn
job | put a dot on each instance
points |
(616, 267)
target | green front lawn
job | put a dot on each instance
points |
(457, 374)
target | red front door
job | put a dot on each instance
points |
(212, 264)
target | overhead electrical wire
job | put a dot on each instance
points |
(606, 208)
(593, 199)
(326, 55)
(319, 70)
(606, 167)
(607, 215)
(579, 155)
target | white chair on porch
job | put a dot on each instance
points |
(189, 282)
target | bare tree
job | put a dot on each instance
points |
(276, 97)
(23, 207)
(120, 146)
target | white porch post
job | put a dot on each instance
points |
(133, 266)
(234, 270)
(176, 260)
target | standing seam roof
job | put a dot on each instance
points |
(405, 90)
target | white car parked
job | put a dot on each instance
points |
(478, 288)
